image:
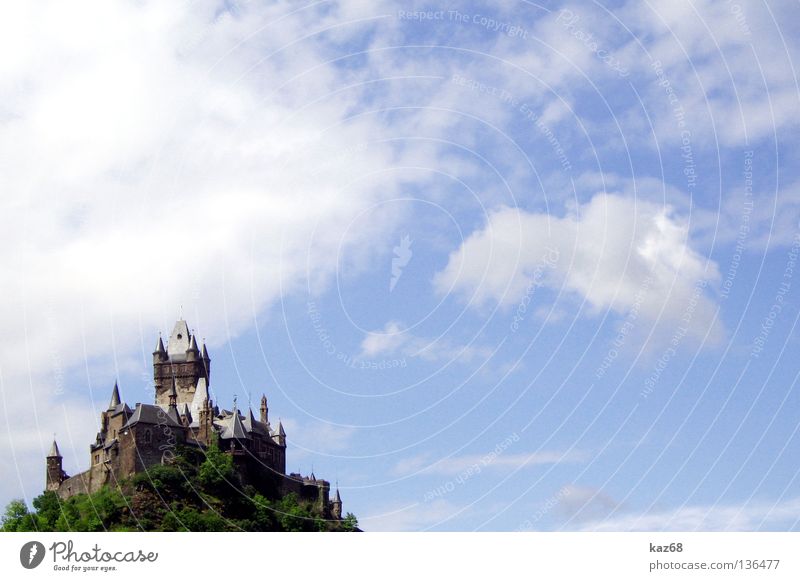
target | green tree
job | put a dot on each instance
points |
(17, 518)
(350, 522)
(48, 510)
(216, 472)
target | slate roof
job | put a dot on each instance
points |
(123, 407)
(151, 414)
(251, 424)
(54, 453)
(232, 427)
(115, 399)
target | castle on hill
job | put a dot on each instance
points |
(132, 440)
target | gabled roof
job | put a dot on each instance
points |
(151, 414)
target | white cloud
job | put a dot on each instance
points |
(614, 252)
(584, 503)
(412, 517)
(315, 437)
(394, 338)
(426, 464)
(754, 516)
(156, 155)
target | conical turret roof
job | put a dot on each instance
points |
(115, 399)
(54, 453)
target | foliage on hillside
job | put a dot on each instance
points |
(181, 496)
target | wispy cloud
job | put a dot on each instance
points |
(427, 464)
(395, 339)
(754, 516)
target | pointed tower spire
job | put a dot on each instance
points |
(192, 353)
(173, 393)
(205, 351)
(280, 435)
(160, 354)
(336, 504)
(115, 399)
(264, 409)
(54, 452)
(55, 474)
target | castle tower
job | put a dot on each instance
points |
(181, 361)
(264, 409)
(336, 505)
(55, 472)
(280, 435)
(206, 418)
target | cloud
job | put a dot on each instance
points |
(780, 515)
(582, 503)
(395, 339)
(412, 517)
(157, 155)
(615, 253)
(315, 437)
(425, 464)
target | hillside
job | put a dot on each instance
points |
(190, 494)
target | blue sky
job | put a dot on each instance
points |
(529, 267)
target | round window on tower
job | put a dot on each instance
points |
(180, 336)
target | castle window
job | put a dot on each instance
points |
(147, 437)
(97, 458)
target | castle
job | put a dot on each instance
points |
(132, 440)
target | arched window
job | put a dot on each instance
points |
(148, 437)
